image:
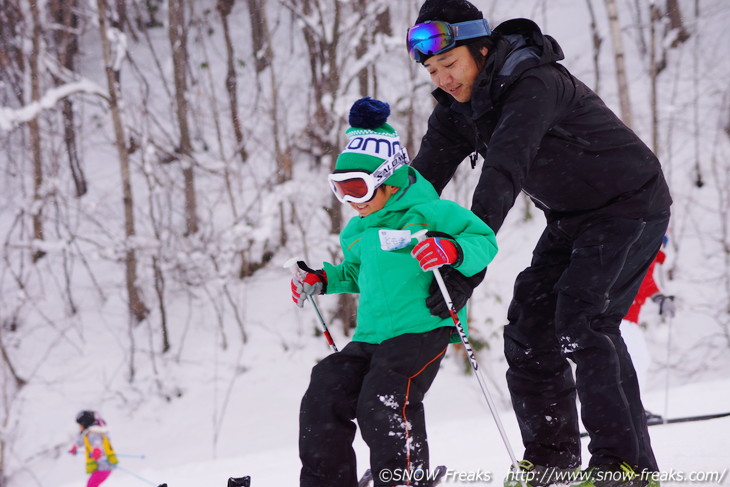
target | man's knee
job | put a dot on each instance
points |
(516, 353)
(527, 355)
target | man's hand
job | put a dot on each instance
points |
(460, 289)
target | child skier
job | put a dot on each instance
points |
(382, 375)
(94, 437)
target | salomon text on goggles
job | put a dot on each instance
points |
(435, 36)
(360, 186)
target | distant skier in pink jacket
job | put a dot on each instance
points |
(94, 438)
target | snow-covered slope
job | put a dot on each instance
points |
(462, 435)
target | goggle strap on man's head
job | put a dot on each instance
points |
(471, 29)
(435, 36)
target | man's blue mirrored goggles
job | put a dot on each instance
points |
(435, 36)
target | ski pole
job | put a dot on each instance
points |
(420, 236)
(136, 476)
(130, 455)
(666, 379)
(322, 325)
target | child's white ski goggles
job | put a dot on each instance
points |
(360, 186)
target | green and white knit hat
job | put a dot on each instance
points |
(371, 140)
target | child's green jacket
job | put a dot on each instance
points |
(392, 287)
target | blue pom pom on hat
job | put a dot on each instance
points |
(371, 140)
(367, 113)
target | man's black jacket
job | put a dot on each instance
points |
(541, 131)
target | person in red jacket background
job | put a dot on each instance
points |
(632, 331)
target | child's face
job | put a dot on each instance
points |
(382, 195)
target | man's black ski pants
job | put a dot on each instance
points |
(568, 304)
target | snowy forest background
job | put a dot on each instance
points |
(162, 159)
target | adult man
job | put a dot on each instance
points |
(540, 130)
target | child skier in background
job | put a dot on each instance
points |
(631, 331)
(99, 454)
(382, 375)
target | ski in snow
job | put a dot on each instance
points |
(687, 419)
(366, 478)
(681, 419)
(239, 482)
(437, 475)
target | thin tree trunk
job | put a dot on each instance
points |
(638, 4)
(654, 17)
(137, 307)
(122, 19)
(35, 133)
(19, 381)
(224, 7)
(282, 148)
(597, 42)
(284, 157)
(66, 41)
(699, 180)
(260, 34)
(618, 49)
(12, 54)
(178, 42)
(361, 48)
(324, 72)
(69, 136)
(676, 24)
(160, 290)
(367, 79)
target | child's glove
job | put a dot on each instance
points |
(307, 282)
(666, 305)
(96, 453)
(72, 450)
(435, 252)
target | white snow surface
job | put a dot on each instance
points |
(462, 434)
(238, 409)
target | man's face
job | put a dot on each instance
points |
(455, 72)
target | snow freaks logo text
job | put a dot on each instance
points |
(445, 476)
(550, 476)
(428, 476)
(407, 476)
